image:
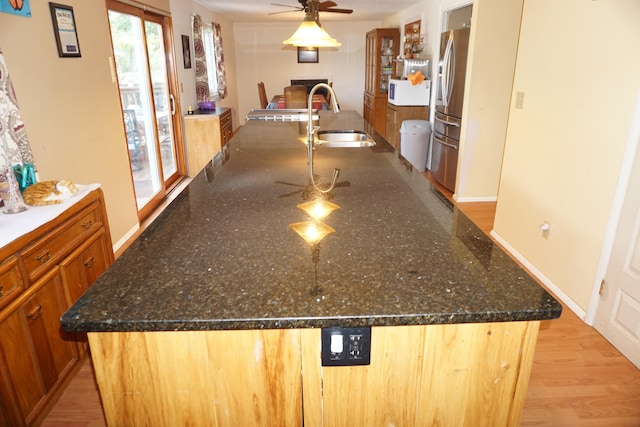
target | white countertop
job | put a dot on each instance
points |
(13, 226)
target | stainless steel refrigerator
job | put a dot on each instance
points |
(450, 92)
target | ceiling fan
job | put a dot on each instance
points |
(308, 7)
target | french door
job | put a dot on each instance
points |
(143, 51)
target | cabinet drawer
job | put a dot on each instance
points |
(46, 252)
(225, 118)
(11, 284)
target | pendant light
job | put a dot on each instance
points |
(310, 33)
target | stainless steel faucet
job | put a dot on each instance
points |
(311, 130)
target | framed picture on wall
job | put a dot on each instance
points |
(64, 28)
(186, 51)
(307, 55)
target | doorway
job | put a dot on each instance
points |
(143, 51)
(617, 307)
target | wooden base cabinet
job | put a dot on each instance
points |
(205, 135)
(51, 267)
(449, 375)
(37, 356)
(396, 115)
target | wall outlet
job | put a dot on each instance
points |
(346, 346)
(545, 227)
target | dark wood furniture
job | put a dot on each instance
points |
(42, 273)
(262, 94)
(381, 49)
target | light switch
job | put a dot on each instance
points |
(337, 345)
(520, 100)
(346, 346)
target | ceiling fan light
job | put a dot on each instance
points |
(310, 34)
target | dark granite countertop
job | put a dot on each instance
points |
(222, 255)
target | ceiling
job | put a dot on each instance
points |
(259, 10)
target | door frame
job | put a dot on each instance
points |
(155, 15)
(633, 143)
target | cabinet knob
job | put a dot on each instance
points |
(90, 262)
(87, 225)
(44, 257)
(1, 290)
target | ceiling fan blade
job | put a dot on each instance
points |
(337, 10)
(284, 11)
(287, 5)
(326, 4)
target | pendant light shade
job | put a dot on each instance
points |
(310, 34)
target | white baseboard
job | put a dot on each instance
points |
(551, 287)
(125, 238)
(475, 199)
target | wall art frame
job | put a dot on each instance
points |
(307, 55)
(186, 51)
(65, 31)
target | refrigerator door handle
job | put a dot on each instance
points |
(441, 141)
(446, 122)
(448, 72)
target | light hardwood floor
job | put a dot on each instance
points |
(578, 378)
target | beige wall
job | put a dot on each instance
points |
(493, 46)
(579, 70)
(70, 106)
(181, 12)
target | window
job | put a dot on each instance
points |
(210, 56)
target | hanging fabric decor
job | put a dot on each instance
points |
(220, 71)
(202, 82)
(14, 144)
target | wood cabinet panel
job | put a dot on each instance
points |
(459, 374)
(396, 115)
(205, 135)
(50, 249)
(467, 374)
(11, 283)
(223, 378)
(60, 259)
(84, 265)
(226, 127)
(36, 352)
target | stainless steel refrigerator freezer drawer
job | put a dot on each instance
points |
(448, 126)
(444, 161)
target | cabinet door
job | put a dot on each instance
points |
(226, 127)
(35, 350)
(11, 284)
(83, 267)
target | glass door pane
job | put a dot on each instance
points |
(137, 104)
(163, 103)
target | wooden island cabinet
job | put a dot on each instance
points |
(422, 375)
(225, 325)
(42, 273)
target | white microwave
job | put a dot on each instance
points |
(405, 93)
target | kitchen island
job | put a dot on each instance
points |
(213, 316)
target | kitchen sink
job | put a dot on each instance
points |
(344, 138)
(282, 115)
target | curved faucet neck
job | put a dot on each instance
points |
(311, 129)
